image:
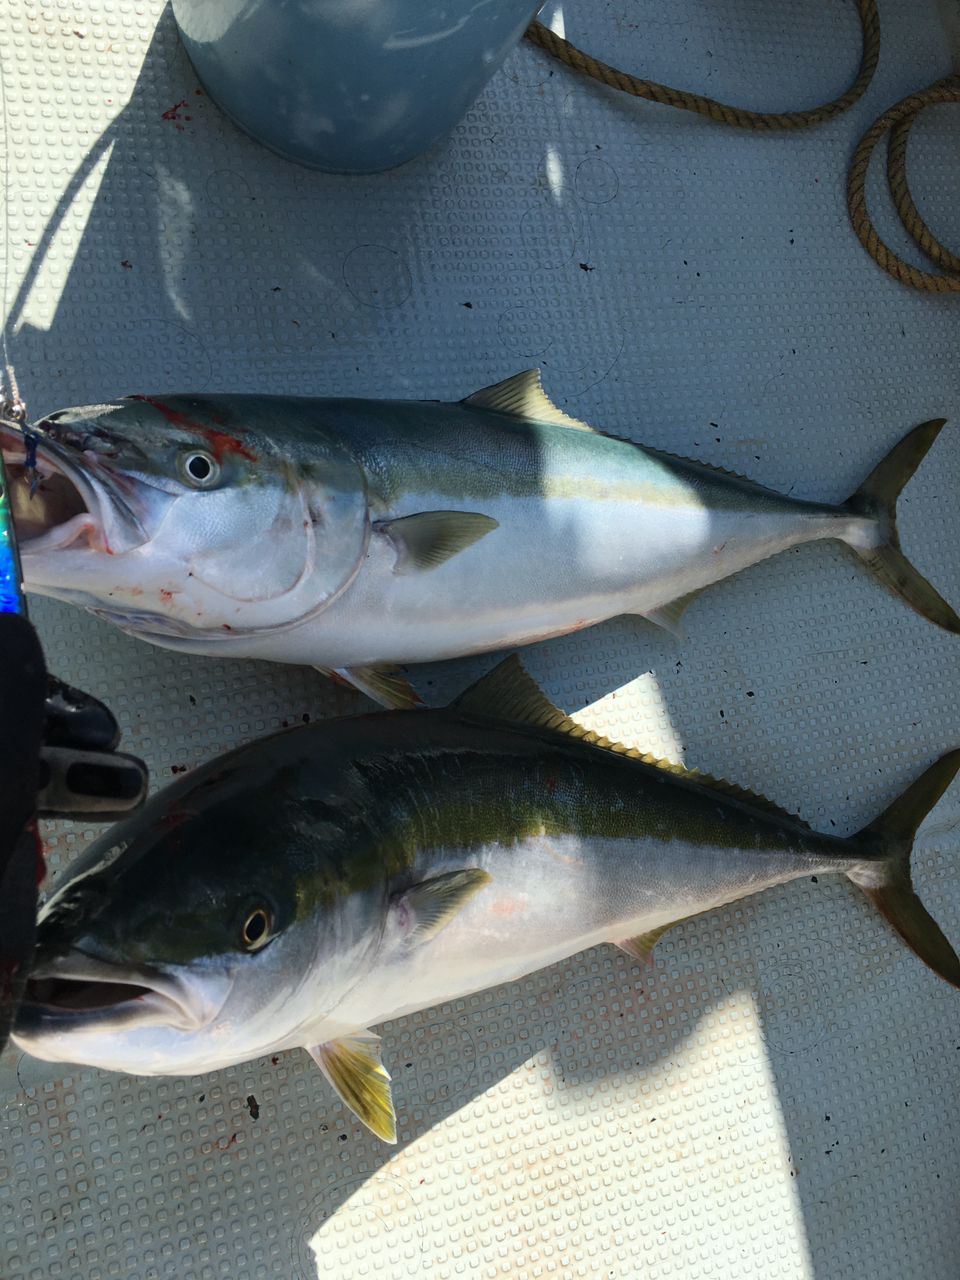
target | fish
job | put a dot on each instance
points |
(366, 536)
(308, 886)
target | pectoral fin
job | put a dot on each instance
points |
(430, 538)
(352, 1065)
(430, 906)
(383, 684)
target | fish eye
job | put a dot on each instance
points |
(199, 468)
(257, 928)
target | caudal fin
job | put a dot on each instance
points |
(885, 879)
(876, 499)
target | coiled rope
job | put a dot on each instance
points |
(898, 119)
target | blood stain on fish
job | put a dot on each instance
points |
(177, 817)
(221, 442)
(506, 907)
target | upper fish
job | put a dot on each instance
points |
(356, 534)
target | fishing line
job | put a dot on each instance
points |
(11, 406)
(897, 119)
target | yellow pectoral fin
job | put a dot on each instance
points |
(432, 904)
(352, 1065)
(430, 538)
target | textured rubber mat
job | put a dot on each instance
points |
(775, 1095)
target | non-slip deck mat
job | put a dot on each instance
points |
(775, 1097)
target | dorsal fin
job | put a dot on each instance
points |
(709, 466)
(509, 692)
(523, 396)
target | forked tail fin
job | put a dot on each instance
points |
(876, 499)
(886, 878)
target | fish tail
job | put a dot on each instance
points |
(885, 878)
(879, 549)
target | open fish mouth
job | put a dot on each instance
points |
(76, 991)
(62, 497)
(80, 995)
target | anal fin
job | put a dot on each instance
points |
(641, 947)
(669, 615)
(352, 1065)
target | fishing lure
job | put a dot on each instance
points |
(11, 577)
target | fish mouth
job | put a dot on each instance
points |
(62, 497)
(76, 991)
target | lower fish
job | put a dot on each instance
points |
(304, 888)
(360, 536)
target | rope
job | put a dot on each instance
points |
(721, 112)
(899, 119)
